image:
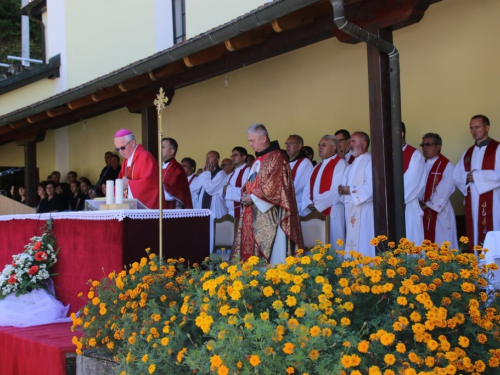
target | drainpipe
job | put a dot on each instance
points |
(395, 93)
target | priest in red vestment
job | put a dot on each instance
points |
(269, 226)
(139, 170)
(175, 184)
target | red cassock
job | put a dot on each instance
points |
(176, 184)
(143, 177)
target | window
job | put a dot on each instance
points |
(179, 18)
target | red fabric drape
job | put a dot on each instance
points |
(36, 350)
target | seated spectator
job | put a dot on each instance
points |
(85, 187)
(72, 176)
(77, 200)
(111, 172)
(41, 193)
(14, 193)
(22, 194)
(52, 202)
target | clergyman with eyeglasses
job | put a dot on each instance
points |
(139, 169)
(439, 217)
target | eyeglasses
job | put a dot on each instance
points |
(427, 144)
(343, 139)
(290, 143)
(123, 147)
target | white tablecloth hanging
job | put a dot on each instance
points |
(492, 243)
(109, 215)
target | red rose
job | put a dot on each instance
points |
(33, 270)
(41, 256)
(37, 245)
(12, 279)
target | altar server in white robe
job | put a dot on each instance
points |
(212, 181)
(300, 166)
(321, 193)
(189, 166)
(414, 184)
(357, 194)
(439, 217)
(477, 176)
(235, 181)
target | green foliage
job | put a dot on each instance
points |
(10, 33)
(411, 310)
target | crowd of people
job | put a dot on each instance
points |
(268, 192)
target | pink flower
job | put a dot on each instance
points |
(37, 245)
(41, 256)
(12, 279)
(33, 270)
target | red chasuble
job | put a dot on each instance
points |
(326, 179)
(176, 184)
(143, 177)
(485, 207)
(407, 154)
(272, 183)
(433, 180)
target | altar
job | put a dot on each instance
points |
(95, 243)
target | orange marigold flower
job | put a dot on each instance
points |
(290, 370)
(463, 341)
(314, 354)
(288, 348)
(363, 346)
(389, 359)
(254, 360)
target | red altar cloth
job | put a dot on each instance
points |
(92, 248)
(39, 350)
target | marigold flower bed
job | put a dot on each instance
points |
(410, 310)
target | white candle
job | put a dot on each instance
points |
(110, 190)
(119, 191)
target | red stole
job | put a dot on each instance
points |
(238, 184)
(433, 180)
(326, 179)
(296, 167)
(485, 207)
(351, 159)
(191, 179)
(407, 154)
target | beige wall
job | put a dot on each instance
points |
(219, 11)
(102, 36)
(90, 140)
(449, 72)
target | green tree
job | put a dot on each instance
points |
(10, 32)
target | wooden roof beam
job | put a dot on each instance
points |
(213, 53)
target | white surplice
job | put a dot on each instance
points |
(359, 205)
(194, 188)
(301, 179)
(233, 193)
(414, 185)
(484, 181)
(446, 227)
(213, 187)
(329, 198)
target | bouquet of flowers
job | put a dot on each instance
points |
(29, 270)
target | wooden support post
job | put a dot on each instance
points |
(149, 123)
(380, 134)
(30, 173)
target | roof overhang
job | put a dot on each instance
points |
(273, 29)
